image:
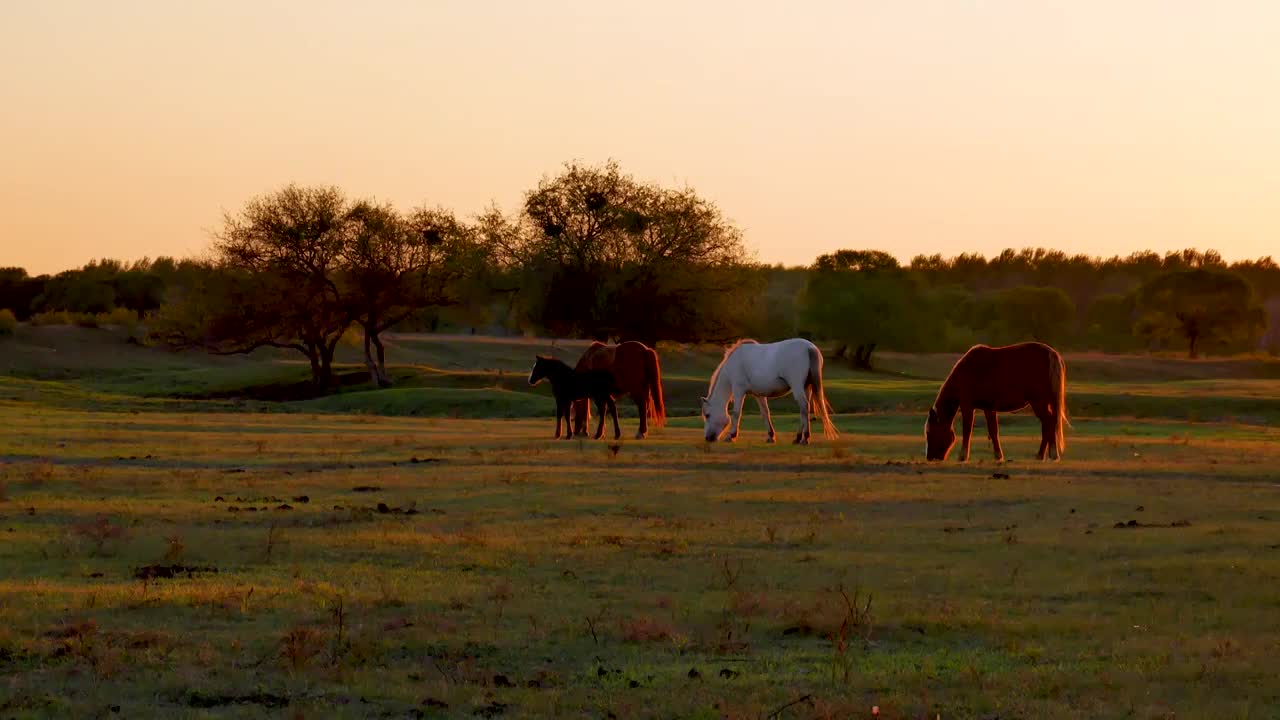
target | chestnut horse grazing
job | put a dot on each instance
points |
(569, 385)
(766, 371)
(637, 373)
(996, 380)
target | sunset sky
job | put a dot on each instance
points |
(1103, 127)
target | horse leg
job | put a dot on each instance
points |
(1046, 428)
(966, 429)
(763, 402)
(613, 413)
(578, 414)
(801, 394)
(739, 400)
(600, 425)
(993, 431)
(562, 413)
(642, 404)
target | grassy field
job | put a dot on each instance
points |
(429, 551)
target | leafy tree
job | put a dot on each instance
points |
(1198, 306)
(394, 267)
(280, 259)
(139, 289)
(1108, 321)
(774, 311)
(856, 261)
(1045, 314)
(18, 290)
(101, 286)
(862, 299)
(611, 256)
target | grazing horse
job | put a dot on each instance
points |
(568, 385)
(996, 380)
(636, 371)
(766, 371)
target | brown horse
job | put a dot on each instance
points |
(635, 369)
(996, 380)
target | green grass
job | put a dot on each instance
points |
(592, 582)
(1012, 596)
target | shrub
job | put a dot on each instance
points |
(8, 322)
(122, 317)
(52, 317)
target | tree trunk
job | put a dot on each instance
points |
(324, 380)
(382, 360)
(321, 365)
(1191, 351)
(377, 366)
(861, 358)
(317, 375)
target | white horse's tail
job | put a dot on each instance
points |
(820, 394)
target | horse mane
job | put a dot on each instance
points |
(945, 392)
(727, 352)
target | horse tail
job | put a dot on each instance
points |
(820, 394)
(1058, 389)
(653, 386)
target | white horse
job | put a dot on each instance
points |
(767, 371)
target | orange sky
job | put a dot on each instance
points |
(1092, 126)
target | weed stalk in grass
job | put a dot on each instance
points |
(175, 548)
(501, 593)
(857, 620)
(299, 645)
(272, 540)
(593, 621)
(731, 572)
(338, 614)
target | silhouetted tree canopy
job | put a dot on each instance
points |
(864, 300)
(612, 256)
(1200, 306)
(295, 268)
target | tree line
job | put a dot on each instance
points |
(595, 253)
(1190, 299)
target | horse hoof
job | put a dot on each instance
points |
(771, 440)
(641, 436)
